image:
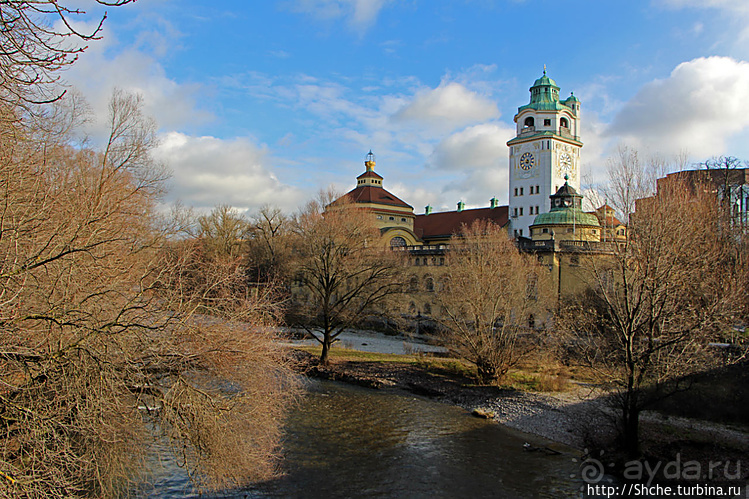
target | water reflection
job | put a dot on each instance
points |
(346, 441)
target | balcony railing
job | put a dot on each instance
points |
(527, 130)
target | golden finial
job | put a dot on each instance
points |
(369, 163)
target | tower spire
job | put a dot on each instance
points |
(369, 163)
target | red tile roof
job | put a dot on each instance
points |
(374, 194)
(447, 223)
(369, 174)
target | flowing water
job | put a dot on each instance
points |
(346, 441)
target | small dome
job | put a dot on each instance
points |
(572, 98)
(567, 217)
(545, 81)
(566, 190)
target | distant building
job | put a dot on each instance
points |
(394, 217)
(545, 150)
(730, 186)
(566, 239)
(544, 214)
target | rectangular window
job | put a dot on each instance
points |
(547, 122)
(515, 212)
(521, 191)
(538, 190)
(545, 230)
(521, 211)
(516, 191)
(521, 232)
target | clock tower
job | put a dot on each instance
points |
(544, 150)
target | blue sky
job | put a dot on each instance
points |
(266, 102)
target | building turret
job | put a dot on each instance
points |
(544, 151)
(565, 219)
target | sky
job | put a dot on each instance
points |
(267, 102)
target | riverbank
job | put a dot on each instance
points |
(579, 416)
(557, 417)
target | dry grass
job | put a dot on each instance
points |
(539, 373)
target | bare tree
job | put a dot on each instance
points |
(631, 177)
(224, 232)
(494, 298)
(32, 51)
(658, 301)
(343, 271)
(99, 338)
(270, 245)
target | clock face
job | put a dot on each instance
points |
(565, 162)
(527, 161)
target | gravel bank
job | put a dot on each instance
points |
(574, 417)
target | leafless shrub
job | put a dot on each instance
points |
(102, 331)
(493, 299)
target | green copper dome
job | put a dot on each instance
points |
(566, 216)
(572, 98)
(566, 209)
(545, 81)
(544, 96)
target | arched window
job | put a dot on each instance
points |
(413, 284)
(427, 309)
(429, 283)
(564, 123)
(529, 121)
(531, 321)
(397, 242)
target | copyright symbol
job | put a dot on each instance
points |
(591, 470)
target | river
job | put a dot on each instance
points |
(346, 441)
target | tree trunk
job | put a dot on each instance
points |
(631, 427)
(326, 341)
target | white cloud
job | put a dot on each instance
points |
(449, 106)
(699, 108)
(477, 188)
(735, 28)
(727, 5)
(173, 104)
(479, 146)
(359, 14)
(208, 171)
